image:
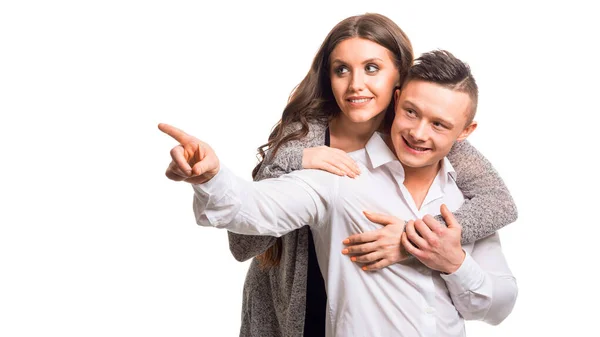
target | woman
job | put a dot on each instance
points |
(343, 99)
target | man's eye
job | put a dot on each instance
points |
(439, 125)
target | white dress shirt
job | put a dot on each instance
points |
(405, 299)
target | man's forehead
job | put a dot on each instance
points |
(435, 98)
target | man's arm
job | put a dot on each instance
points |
(286, 160)
(269, 207)
(488, 205)
(483, 288)
(224, 200)
(481, 285)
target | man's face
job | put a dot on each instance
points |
(429, 119)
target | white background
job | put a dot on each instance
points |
(95, 241)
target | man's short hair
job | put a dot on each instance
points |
(443, 68)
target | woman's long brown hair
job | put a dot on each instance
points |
(313, 100)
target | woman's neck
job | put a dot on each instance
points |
(349, 136)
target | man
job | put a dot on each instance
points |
(404, 174)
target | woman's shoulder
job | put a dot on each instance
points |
(316, 129)
(313, 126)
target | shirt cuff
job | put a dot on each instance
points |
(215, 201)
(467, 277)
(218, 183)
(212, 192)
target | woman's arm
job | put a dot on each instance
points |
(287, 159)
(488, 205)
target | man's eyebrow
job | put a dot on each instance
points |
(446, 122)
(407, 101)
(442, 120)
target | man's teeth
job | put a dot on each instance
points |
(418, 148)
(362, 100)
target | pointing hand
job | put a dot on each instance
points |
(193, 160)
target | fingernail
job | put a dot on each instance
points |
(346, 241)
(345, 251)
(364, 268)
(353, 259)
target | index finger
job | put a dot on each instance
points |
(449, 217)
(361, 238)
(382, 219)
(431, 222)
(174, 132)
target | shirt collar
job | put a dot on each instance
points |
(378, 151)
(447, 171)
(380, 154)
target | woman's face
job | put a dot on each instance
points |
(363, 77)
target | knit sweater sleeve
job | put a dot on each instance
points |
(488, 205)
(287, 159)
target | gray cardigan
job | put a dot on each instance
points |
(274, 300)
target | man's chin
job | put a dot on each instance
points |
(411, 160)
(415, 163)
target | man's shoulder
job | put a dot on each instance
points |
(321, 181)
(313, 175)
(320, 184)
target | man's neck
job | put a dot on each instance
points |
(418, 181)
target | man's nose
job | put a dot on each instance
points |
(419, 132)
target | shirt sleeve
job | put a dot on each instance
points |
(269, 207)
(488, 205)
(483, 288)
(287, 159)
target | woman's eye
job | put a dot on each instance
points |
(341, 70)
(371, 68)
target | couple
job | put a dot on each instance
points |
(403, 171)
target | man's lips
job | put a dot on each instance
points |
(414, 147)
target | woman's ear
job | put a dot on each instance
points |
(396, 94)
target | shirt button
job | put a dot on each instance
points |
(430, 310)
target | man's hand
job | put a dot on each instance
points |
(436, 246)
(193, 160)
(378, 248)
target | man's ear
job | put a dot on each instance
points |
(396, 94)
(467, 131)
